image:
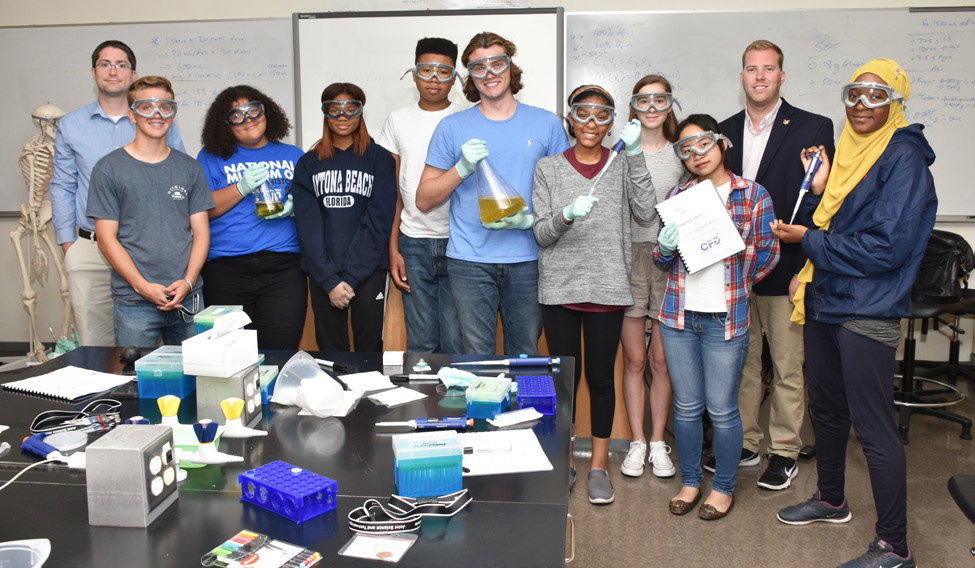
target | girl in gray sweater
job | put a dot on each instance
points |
(584, 256)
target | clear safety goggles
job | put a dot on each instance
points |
(441, 72)
(336, 109)
(872, 95)
(660, 102)
(147, 108)
(585, 112)
(700, 144)
(239, 115)
(496, 64)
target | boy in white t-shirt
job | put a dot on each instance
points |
(418, 242)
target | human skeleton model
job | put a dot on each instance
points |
(37, 165)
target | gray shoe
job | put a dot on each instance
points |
(815, 510)
(600, 487)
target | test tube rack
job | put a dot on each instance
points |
(292, 492)
(538, 392)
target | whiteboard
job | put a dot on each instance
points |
(700, 54)
(373, 49)
(53, 64)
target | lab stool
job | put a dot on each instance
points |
(919, 392)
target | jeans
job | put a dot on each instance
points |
(480, 290)
(431, 318)
(140, 323)
(705, 371)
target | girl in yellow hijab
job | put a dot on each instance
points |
(869, 218)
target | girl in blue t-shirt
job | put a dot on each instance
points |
(253, 261)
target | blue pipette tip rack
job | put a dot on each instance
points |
(538, 392)
(289, 491)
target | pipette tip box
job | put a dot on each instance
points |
(428, 463)
(161, 372)
(292, 492)
(487, 397)
(538, 392)
(204, 319)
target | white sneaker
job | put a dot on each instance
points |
(660, 459)
(633, 464)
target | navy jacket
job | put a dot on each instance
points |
(781, 173)
(344, 208)
(867, 261)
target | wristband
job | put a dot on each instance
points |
(187, 280)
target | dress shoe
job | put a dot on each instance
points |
(681, 507)
(709, 513)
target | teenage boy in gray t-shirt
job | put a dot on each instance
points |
(150, 209)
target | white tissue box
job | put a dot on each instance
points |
(222, 356)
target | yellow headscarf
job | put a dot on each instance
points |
(855, 155)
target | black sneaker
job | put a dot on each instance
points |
(881, 555)
(779, 473)
(748, 458)
(813, 510)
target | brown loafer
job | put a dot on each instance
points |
(681, 507)
(709, 513)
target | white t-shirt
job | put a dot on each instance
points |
(407, 133)
(704, 290)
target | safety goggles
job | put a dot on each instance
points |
(585, 112)
(872, 95)
(252, 110)
(660, 102)
(700, 144)
(336, 109)
(147, 108)
(441, 72)
(496, 64)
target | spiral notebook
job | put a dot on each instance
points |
(69, 383)
(707, 232)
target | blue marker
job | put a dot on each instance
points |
(807, 182)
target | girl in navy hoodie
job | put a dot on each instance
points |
(345, 199)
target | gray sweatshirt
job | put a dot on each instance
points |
(588, 260)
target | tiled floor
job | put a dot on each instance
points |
(637, 529)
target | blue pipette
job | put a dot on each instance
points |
(612, 154)
(806, 182)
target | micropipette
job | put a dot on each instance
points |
(612, 154)
(514, 362)
(806, 182)
(446, 423)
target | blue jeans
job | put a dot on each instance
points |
(431, 319)
(140, 323)
(705, 371)
(480, 290)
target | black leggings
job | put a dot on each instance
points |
(564, 329)
(272, 288)
(368, 308)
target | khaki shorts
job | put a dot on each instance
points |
(648, 283)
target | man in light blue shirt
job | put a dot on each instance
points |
(84, 137)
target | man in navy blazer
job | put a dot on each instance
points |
(767, 138)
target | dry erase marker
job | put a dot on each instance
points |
(807, 182)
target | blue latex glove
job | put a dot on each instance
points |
(252, 179)
(667, 239)
(289, 210)
(473, 151)
(630, 135)
(579, 208)
(522, 220)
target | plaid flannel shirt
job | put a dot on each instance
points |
(750, 208)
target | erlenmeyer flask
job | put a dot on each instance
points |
(496, 199)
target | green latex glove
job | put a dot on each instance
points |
(579, 208)
(630, 135)
(473, 151)
(522, 220)
(252, 179)
(667, 239)
(289, 210)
